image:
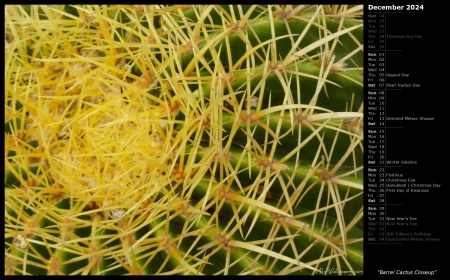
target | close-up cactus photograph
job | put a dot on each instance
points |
(184, 140)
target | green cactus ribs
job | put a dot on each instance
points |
(183, 139)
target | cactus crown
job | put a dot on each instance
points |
(200, 139)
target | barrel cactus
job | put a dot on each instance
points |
(184, 139)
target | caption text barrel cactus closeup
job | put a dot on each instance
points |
(184, 139)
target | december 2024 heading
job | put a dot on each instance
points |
(394, 7)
